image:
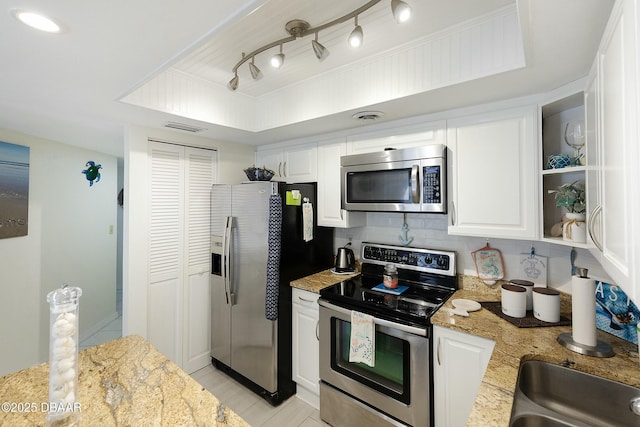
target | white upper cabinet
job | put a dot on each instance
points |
(291, 164)
(271, 159)
(406, 137)
(492, 171)
(617, 140)
(330, 212)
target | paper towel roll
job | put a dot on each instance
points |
(583, 310)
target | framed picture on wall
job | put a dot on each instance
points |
(14, 190)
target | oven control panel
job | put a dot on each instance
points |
(427, 260)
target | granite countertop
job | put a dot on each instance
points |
(318, 281)
(123, 382)
(513, 344)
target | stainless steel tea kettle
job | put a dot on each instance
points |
(345, 260)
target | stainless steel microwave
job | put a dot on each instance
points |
(405, 180)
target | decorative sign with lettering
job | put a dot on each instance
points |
(489, 264)
(615, 312)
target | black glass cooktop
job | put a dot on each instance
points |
(412, 306)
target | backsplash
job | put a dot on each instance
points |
(430, 231)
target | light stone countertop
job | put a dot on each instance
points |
(513, 344)
(321, 280)
(122, 382)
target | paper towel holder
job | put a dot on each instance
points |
(601, 349)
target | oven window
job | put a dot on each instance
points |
(391, 372)
(384, 186)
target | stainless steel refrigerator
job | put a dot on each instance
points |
(244, 343)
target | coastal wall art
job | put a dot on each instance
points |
(14, 190)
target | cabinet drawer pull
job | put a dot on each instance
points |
(305, 300)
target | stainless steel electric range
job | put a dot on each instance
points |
(397, 390)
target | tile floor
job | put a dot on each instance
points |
(252, 408)
(109, 332)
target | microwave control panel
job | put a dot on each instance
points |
(431, 191)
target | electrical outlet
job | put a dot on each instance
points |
(349, 237)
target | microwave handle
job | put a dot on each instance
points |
(415, 191)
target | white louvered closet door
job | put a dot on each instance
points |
(178, 319)
(200, 173)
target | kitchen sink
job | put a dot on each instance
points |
(549, 395)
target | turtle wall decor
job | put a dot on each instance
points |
(92, 172)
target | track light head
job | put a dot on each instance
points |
(320, 51)
(255, 71)
(278, 59)
(401, 11)
(233, 83)
(356, 36)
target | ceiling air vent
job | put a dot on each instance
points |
(183, 126)
(368, 115)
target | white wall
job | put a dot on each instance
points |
(232, 159)
(69, 241)
(430, 231)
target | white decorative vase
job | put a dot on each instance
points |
(575, 228)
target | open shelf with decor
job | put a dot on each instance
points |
(563, 155)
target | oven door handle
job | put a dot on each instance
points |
(381, 322)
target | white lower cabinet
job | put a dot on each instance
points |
(304, 346)
(459, 363)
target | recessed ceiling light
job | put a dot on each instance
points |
(37, 21)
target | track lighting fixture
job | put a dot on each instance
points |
(255, 71)
(356, 36)
(278, 59)
(298, 28)
(401, 11)
(320, 51)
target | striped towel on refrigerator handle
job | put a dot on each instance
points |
(273, 259)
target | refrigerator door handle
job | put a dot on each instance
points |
(227, 261)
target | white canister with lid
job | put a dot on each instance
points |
(528, 286)
(546, 305)
(514, 300)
